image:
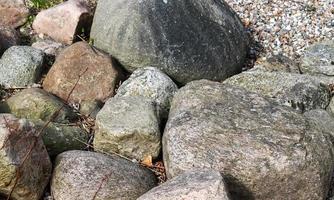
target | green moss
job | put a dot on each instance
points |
(43, 4)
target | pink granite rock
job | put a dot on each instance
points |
(13, 13)
(63, 21)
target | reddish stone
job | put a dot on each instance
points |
(99, 76)
(13, 13)
(63, 21)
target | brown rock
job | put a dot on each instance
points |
(99, 75)
(63, 21)
(8, 38)
(13, 13)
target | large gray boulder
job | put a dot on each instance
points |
(152, 83)
(302, 92)
(262, 149)
(188, 40)
(191, 185)
(23, 155)
(81, 175)
(21, 66)
(128, 126)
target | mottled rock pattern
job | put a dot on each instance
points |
(97, 72)
(8, 38)
(277, 63)
(152, 83)
(17, 136)
(263, 150)
(191, 185)
(302, 92)
(78, 174)
(49, 47)
(64, 21)
(59, 138)
(129, 126)
(21, 65)
(35, 103)
(188, 40)
(13, 13)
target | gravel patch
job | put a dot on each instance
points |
(286, 27)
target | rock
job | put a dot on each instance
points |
(64, 21)
(191, 185)
(22, 66)
(13, 13)
(35, 104)
(59, 138)
(262, 149)
(97, 72)
(321, 119)
(8, 38)
(188, 40)
(49, 47)
(79, 174)
(330, 107)
(302, 92)
(128, 126)
(17, 137)
(277, 63)
(152, 83)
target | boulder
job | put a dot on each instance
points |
(63, 21)
(35, 104)
(96, 72)
(21, 66)
(59, 138)
(13, 13)
(188, 40)
(17, 138)
(128, 126)
(81, 175)
(262, 149)
(302, 92)
(8, 38)
(152, 83)
(191, 185)
(277, 63)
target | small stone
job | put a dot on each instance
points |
(13, 13)
(49, 47)
(152, 83)
(79, 174)
(8, 38)
(21, 66)
(17, 138)
(197, 184)
(128, 126)
(63, 21)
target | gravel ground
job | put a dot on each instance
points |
(286, 27)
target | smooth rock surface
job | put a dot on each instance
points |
(78, 174)
(21, 65)
(188, 40)
(128, 126)
(8, 38)
(63, 21)
(152, 83)
(35, 104)
(301, 92)
(13, 13)
(97, 72)
(191, 185)
(262, 149)
(17, 137)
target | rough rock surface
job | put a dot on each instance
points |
(35, 104)
(188, 40)
(63, 21)
(277, 63)
(152, 83)
(302, 92)
(8, 38)
(21, 65)
(129, 126)
(262, 149)
(59, 138)
(13, 13)
(49, 47)
(17, 136)
(191, 185)
(78, 174)
(97, 72)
